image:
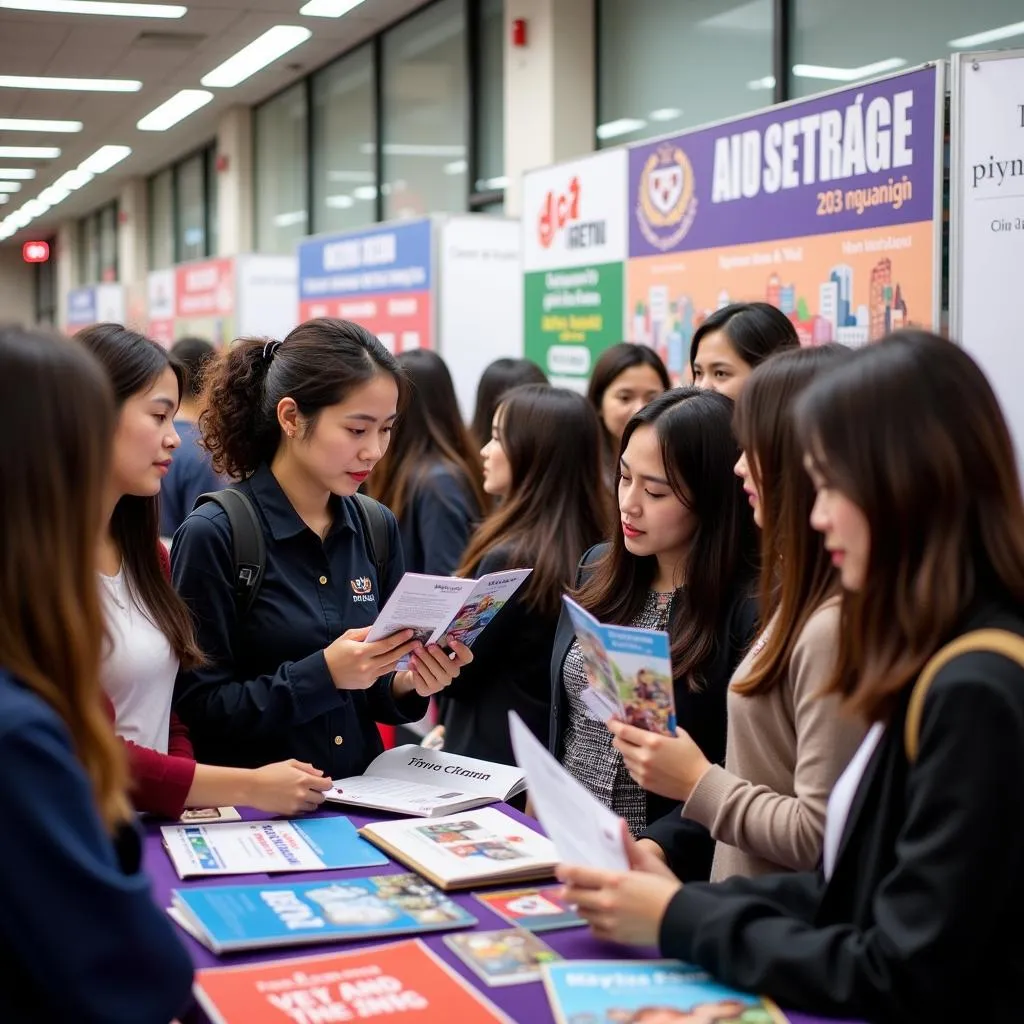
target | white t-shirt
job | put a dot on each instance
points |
(139, 669)
(841, 800)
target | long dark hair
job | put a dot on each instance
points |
(699, 451)
(556, 506)
(318, 364)
(133, 363)
(755, 330)
(51, 618)
(910, 431)
(500, 377)
(797, 575)
(430, 430)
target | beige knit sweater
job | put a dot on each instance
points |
(784, 752)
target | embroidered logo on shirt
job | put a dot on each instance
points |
(362, 589)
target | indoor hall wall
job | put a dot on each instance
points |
(17, 288)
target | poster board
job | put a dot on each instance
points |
(95, 304)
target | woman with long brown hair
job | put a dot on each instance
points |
(430, 475)
(914, 913)
(80, 936)
(544, 462)
(785, 747)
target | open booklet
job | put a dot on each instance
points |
(629, 672)
(439, 609)
(425, 783)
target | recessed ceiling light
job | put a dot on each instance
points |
(830, 74)
(123, 10)
(328, 8)
(31, 152)
(274, 43)
(10, 186)
(620, 126)
(176, 109)
(69, 84)
(993, 35)
(29, 124)
(104, 158)
(17, 173)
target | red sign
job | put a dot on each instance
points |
(557, 212)
(35, 252)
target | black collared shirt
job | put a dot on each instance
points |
(266, 693)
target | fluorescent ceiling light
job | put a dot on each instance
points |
(493, 183)
(328, 8)
(4, 198)
(993, 35)
(274, 43)
(456, 167)
(29, 124)
(74, 179)
(287, 220)
(69, 84)
(621, 126)
(10, 186)
(35, 208)
(117, 9)
(176, 109)
(665, 114)
(350, 176)
(768, 82)
(340, 202)
(17, 173)
(830, 74)
(104, 158)
(414, 149)
(365, 192)
(31, 152)
(54, 195)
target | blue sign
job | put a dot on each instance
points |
(82, 307)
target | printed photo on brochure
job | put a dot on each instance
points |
(536, 910)
(508, 956)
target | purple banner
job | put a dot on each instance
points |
(860, 158)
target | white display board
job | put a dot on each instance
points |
(987, 227)
(267, 295)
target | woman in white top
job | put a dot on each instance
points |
(149, 627)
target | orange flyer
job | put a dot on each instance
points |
(401, 980)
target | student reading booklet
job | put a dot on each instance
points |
(419, 781)
(476, 848)
(259, 847)
(403, 979)
(629, 671)
(232, 918)
(440, 609)
(648, 992)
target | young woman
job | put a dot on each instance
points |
(430, 476)
(80, 936)
(301, 423)
(786, 746)
(500, 376)
(919, 503)
(149, 630)
(625, 378)
(683, 559)
(733, 340)
(544, 462)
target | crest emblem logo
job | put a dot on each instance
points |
(666, 204)
(361, 585)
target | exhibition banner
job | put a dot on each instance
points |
(94, 304)
(379, 277)
(828, 207)
(204, 300)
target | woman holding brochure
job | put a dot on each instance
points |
(913, 915)
(80, 936)
(786, 745)
(301, 423)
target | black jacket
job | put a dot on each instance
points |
(439, 517)
(921, 917)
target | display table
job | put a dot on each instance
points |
(524, 1003)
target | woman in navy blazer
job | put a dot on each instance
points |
(914, 914)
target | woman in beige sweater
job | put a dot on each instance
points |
(786, 746)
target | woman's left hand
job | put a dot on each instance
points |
(667, 765)
(431, 669)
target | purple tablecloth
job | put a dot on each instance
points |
(525, 1003)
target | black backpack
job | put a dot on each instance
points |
(250, 551)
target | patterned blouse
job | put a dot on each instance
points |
(588, 752)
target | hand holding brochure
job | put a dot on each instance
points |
(629, 672)
(439, 609)
(423, 782)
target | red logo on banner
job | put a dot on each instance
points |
(558, 211)
(35, 252)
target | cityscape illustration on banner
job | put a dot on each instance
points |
(380, 278)
(826, 207)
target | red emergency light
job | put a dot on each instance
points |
(35, 252)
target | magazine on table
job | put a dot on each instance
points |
(232, 918)
(440, 609)
(508, 956)
(419, 781)
(461, 851)
(628, 670)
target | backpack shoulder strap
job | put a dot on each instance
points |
(249, 549)
(996, 641)
(375, 529)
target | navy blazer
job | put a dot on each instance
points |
(439, 517)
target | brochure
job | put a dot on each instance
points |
(462, 851)
(229, 918)
(536, 910)
(440, 609)
(510, 956)
(592, 834)
(209, 814)
(423, 782)
(403, 979)
(629, 671)
(258, 847)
